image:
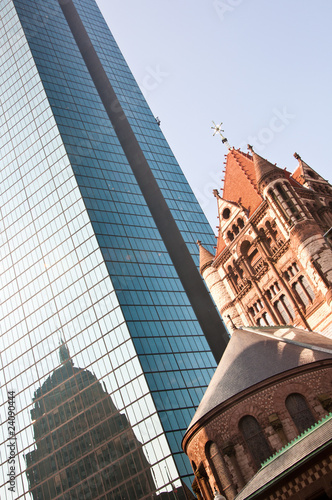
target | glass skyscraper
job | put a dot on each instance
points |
(108, 334)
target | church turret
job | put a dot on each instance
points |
(265, 171)
(319, 204)
(205, 258)
(218, 290)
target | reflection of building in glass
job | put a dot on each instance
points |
(98, 231)
(85, 448)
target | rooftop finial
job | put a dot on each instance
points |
(218, 130)
(297, 156)
(249, 146)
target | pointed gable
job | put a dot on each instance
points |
(240, 184)
(305, 175)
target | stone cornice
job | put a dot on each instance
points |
(259, 213)
(222, 258)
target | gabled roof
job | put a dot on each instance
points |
(281, 348)
(304, 173)
(240, 184)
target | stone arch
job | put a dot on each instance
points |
(247, 408)
(280, 395)
(299, 411)
(247, 238)
(255, 439)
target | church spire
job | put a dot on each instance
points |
(205, 257)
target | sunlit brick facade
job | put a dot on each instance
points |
(273, 261)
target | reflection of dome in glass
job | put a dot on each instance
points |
(85, 448)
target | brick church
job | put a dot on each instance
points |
(263, 428)
(273, 262)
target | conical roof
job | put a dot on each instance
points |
(205, 257)
(264, 168)
(281, 348)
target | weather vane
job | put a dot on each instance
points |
(218, 130)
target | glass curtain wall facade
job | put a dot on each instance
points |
(88, 266)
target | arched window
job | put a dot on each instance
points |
(244, 249)
(300, 293)
(287, 306)
(271, 231)
(287, 200)
(281, 308)
(307, 288)
(216, 463)
(255, 439)
(230, 235)
(299, 411)
(267, 319)
(240, 223)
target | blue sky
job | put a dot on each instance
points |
(262, 68)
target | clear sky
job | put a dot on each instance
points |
(263, 68)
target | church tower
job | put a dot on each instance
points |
(273, 260)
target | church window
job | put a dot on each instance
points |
(230, 235)
(299, 411)
(287, 306)
(274, 289)
(287, 200)
(255, 439)
(307, 288)
(226, 213)
(271, 231)
(300, 293)
(267, 319)
(281, 308)
(235, 229)
(240, 223)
